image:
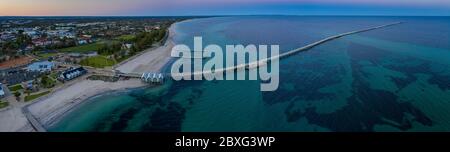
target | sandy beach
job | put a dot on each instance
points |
(61, 101)
(49, 109)
(13, 120)
(152, 60)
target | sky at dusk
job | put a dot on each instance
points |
(222, 7)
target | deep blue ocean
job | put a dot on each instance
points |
(390, 79)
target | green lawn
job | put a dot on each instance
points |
(97, 62)
(126, 38)
(48, 82)
(35, 96)
(3, 104)
(15, 87)
(83, 48)
(54, 75)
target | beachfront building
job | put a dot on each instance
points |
(29, 85)
(73, 73)
(157, 78)
(43, 66)
(17, 75)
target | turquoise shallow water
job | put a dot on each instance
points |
(392, 79)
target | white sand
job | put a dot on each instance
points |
(12, 119)
(63, 100)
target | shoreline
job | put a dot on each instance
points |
(59, 117)
(52, 108)
(55, 106)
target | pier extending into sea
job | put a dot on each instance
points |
(254, 64)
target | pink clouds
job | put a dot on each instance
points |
(125, 7)
(353, 2)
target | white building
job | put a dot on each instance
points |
(43, 66)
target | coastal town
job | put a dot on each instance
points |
(43, 58)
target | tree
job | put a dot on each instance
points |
(160, 35)
(44, 35)
(44, 80)
(23, 40)
(109, 49)
(17, 95)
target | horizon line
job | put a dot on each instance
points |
(343, 15)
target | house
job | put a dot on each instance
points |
(81, 42)
(84, 39)
(29, 47)
(17, 75)
(72, 73)
(75, 55)
(29, 85)
(127, 46)
(7, 36)
(150, 28)
(43, 66)
(31, 33)
(42, 42)
(157, 78)
(61, 33)
(66, 34)
(49, 51)
(91, 54)
(157, 27)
